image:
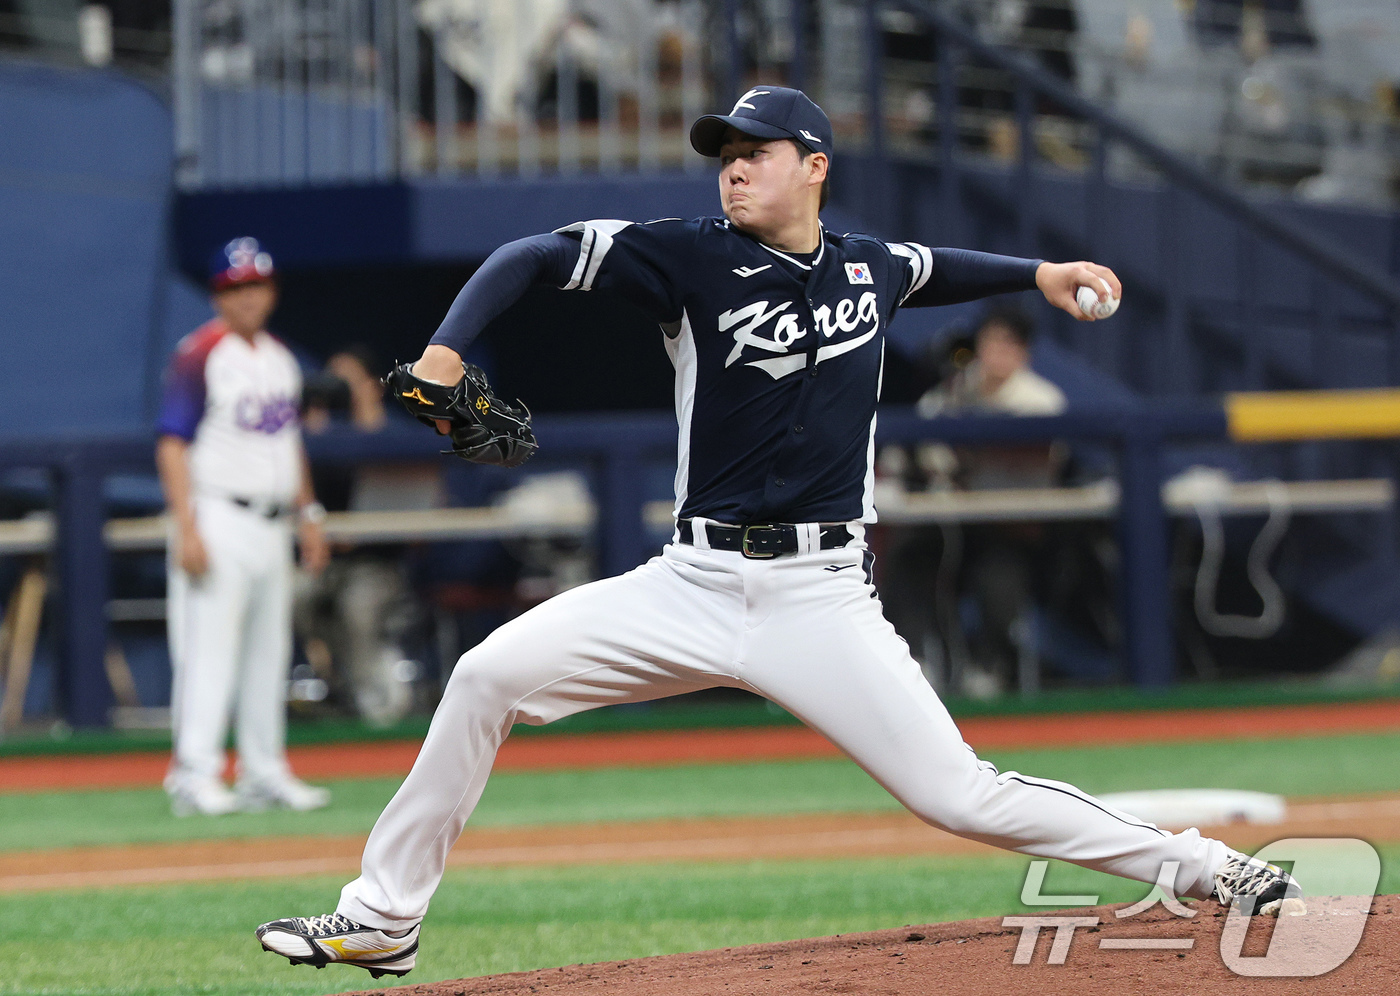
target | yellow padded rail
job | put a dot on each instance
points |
(1273, 416)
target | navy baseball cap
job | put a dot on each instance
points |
(242, 261)
(766, 112)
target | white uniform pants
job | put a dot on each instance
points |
(230, 645)
(804, 631)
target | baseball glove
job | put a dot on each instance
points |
(483, 428)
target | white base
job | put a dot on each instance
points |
(1181, 808)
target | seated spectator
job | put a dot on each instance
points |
(990, 567)
(998, 379)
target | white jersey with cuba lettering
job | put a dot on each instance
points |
(236, 402)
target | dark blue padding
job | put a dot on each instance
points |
(85, 174)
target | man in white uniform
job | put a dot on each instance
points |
(775, 326)
(236, 479)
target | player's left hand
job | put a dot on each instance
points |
(315, 551)
(483, 428)
(1059, 282)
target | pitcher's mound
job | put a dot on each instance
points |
(977, 958)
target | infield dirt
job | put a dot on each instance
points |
(975, 958)
(803, 835)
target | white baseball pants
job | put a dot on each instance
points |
(231, 646)
(805, 631)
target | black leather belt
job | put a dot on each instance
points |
(266, 510)
(762, 541)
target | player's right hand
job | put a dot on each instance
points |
(1060, 281)
(194, 559)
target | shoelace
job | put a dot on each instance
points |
(1244, 877)
(329, 923)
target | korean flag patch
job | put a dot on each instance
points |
(858, 273)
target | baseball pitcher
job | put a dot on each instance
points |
(776, 330)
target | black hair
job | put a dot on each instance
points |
(803, 151)
(1011, 318)
(325, 390)
(365, 355)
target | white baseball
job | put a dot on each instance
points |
(1090, 304)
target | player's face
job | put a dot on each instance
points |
(764, 185)
(246, 307)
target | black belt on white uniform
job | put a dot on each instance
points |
(761, 541)
(267, 510)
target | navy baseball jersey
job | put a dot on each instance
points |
(778, 357)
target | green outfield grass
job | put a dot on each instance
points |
(702, 710)
(1293, 766)
(197, 939)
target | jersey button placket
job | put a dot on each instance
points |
(812, 324)
(797, 427)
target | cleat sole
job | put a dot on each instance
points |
(397, 966)
(375, 973)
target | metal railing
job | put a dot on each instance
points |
(618, 447)
(89, 38)
(290, 92)
(287, 92)
(295, 91)
(1329, 276)
(278, 90)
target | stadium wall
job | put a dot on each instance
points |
(85, 200)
